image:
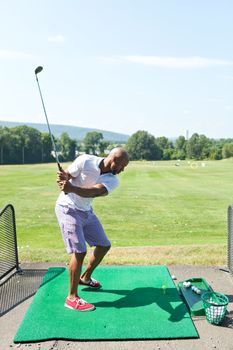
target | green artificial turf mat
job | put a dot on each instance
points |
(135, 302)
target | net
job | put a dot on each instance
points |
(8, 243)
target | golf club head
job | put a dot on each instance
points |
(38, 69)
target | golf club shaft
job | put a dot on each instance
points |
(50, 133)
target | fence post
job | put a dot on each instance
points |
(230, 238)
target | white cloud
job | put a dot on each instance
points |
(214, 99)
(177, 62)
(228, 107)
(14, 55)
(228, 77)
(58, 39)
(110, 60)
(168, 62)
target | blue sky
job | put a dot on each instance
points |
(120, 65)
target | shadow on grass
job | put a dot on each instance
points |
(146, 296)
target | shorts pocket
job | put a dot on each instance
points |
(71, 233)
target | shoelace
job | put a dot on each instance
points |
(93, 282)
(81, 302)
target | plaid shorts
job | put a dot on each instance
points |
(79, 227)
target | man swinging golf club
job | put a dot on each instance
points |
(87, 177)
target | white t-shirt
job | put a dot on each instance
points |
(86, 173)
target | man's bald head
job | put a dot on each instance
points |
(117, 160)
(120, 153)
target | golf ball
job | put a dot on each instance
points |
(164, 288)
(215, 312)
(196, 290)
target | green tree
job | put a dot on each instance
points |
(198, 147)
(103, 145)
(180, 148)
(67, 147)
(46, 148)
(142, 145)
(92, 141)
(4, 144)
(27, 142)
(215, 152)
(227, 150)
(165, 146)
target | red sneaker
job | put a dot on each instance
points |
(91, 283)
(78, 304)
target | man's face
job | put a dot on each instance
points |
(118, 165)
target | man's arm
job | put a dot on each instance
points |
(86, 192)
(63, 178)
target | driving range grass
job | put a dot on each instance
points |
(161, 213)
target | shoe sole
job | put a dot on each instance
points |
(87, 285)
(71, 308)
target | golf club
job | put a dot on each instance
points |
(38, 70)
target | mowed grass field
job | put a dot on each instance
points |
(160, 214)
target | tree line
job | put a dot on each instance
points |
(23, 144)
(144, 146)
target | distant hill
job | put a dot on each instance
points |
(74, 132)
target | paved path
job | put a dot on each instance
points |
(211, 337)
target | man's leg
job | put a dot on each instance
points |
(94, 261)
(73, 301)
(75, 267)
